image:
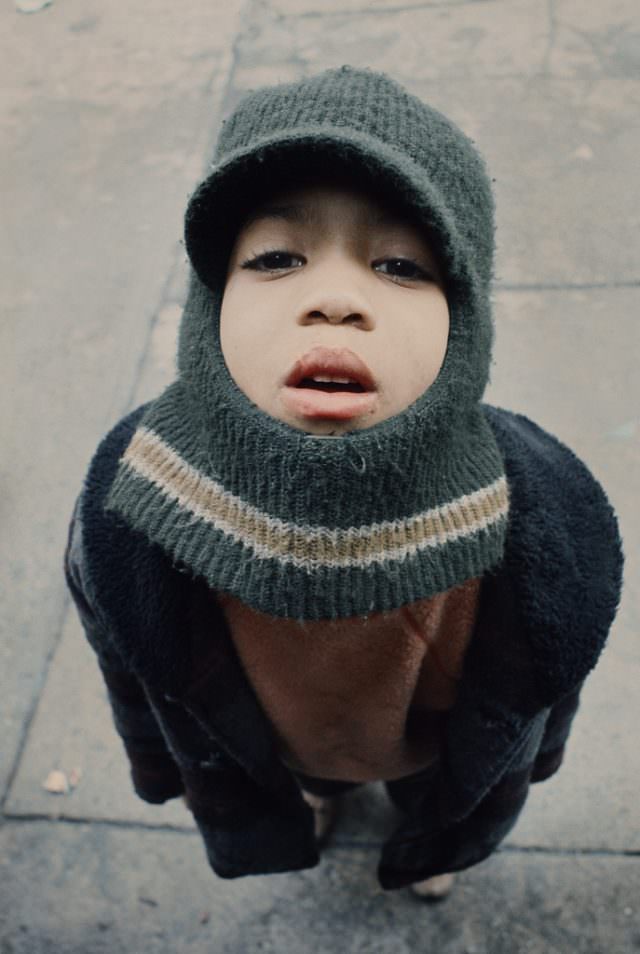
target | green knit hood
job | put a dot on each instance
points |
(310, 527)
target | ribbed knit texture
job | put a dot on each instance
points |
(307, 527)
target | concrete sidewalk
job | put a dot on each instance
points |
(109, 114)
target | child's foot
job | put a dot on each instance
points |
(433, 889)
(325, 813)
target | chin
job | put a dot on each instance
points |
(322, 426)
(333, 428)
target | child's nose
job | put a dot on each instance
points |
(337, 308)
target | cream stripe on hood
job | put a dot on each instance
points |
(306, 546)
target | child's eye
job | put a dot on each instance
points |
(273, 261)
(402, 268)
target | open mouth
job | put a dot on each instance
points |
(331, 386)
(330, 383)
(331, 369)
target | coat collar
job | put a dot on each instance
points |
(563, 554)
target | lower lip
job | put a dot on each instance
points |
(336, 405)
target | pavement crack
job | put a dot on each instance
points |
(206, 145)
(29, 818)
(341, 843)
(570, 852)
(382, 11)
(551, 36)
(564, 286)
(37, 696)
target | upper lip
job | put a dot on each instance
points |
(331, 362)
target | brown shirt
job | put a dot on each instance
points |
(359, 699)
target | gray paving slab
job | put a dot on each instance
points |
(108, 116)
(422, 39)
(564, 38)
(100, 889)
(566, 358)
(549, 91)
(106, 111)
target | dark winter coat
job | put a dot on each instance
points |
(191, 723)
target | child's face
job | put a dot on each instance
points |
(326, 267)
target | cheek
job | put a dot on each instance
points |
(226, 323)
(440, 328)
(235, 331)
(247, 339)
(239, 318)
(420, 352)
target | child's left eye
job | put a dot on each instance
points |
(402, 268)
(274, 261)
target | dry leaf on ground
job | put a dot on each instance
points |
(32, 6)
(56, 782)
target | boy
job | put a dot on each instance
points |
(317, 559)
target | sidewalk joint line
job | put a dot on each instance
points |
(360, 11)
(39, 689)
(570, 852)
(118, 823)
(348, 843)
(565, 286)
(337, 842)
(205, 145)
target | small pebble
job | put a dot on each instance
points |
(584, 152)
(151, 902)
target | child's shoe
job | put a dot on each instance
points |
(433, 889)
(325, 813)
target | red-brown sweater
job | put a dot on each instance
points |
(358, 699)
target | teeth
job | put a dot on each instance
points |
(321, 379)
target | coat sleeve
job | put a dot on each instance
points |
(154, 772)
(556, 733)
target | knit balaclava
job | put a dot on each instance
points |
(311, 527)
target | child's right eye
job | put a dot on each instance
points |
(274, 261)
